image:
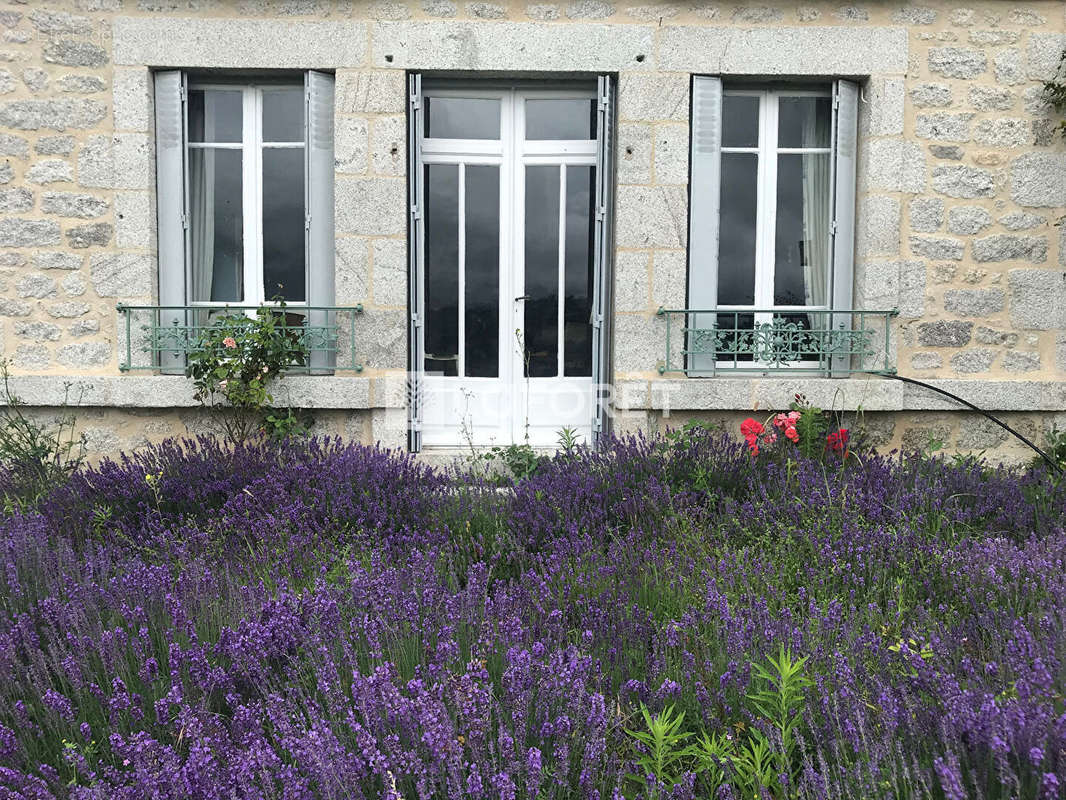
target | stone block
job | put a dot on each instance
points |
(634, 153)
(15, 232)
(631, 281)
(992, 38)
(980, 434)
(351, 145)
(81, 355)
(134, 221)
(885, 116)
(72, 204)
(912, 281)
(589, 9)
(1021, 361)
(74, 53)
(968, 220)
(381, 336)
(931, 95)
(81, 84)
(83, 327)
(14, 146)
(1006, 247)
(67, 310)
(1038, 180)
(974, 302)
(388, 145)
(62, 145)
(35, 78)
(983, 335)
(923, 361)
(747, 13)
(784, 50)
(15, 201)
(1037, 299)
(52, 23)
(50, 170)
(36, 285)
(131, 99)
(31, 357)
(653, 97)
(371, 206)
(96, 163)
(944, 333)
(977, 359)
(121, 274)
(878, 284)
(38, 331)
(439, 8)
(957, 62)
(938, 248)
(1007, 67)
(352, 278)
(943, 127)
(926, 214)
(1021, 221)
(639, 343)
(390, 272)
(43, 259)
(653, 13)
(14, 308)
(542, 12)
(914, 15)
(671, 154)
(1043, 54)
(896, 165)
(1003, 132)
(652, 217)
(669, 273)
(97, 234)
(951, 152)
(133, 161)
(486, 10)
(991, 98)
(963, 182)
(878, 226)
(74, 285)
(377, 91)
(226, 43)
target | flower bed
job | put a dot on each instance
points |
(322, 620)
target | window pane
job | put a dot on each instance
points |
(561, 119)
(740, 121)
(801, 265)
(577, 327)
(283, 115)
(732, 339)
(803, 121)
(216, 225)
(482, 272)
(462, 118)
(283, 224)
(215, 115)
(736, 239)
(442, 268)
(542, 272)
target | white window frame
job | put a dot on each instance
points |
(508, 152)
(767, 151)
(251, 147)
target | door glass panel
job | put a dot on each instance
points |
(803, 121)
(736, 242)
(283, 115)
(482, 272)
(283, 224)
(733, 339)
(801, 252)
(740, 120)
(577, 306)
(462, 118)
(216, 225)
(542, 272)
(442, 268)
(561, 118)
(215, 115)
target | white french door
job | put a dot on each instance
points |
(506, 271)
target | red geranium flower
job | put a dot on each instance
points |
(837, 441)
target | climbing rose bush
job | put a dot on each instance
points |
(322, 620)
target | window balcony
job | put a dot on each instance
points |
(777, 340)
(160, 337)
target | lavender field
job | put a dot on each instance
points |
(323, 620)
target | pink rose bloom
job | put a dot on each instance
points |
(229, 342)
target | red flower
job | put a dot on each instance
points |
(751, 427)
(837, 441)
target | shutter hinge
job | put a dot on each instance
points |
(416, 320)
(184, 92)
(836, 100)
(184, 221)
(833, 228)
(307, 222)
(416, 102)
(601, 213)
(416, 212)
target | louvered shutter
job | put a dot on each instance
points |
(416, 342)
(320, 240)
(171, 205)
(602, 261)
(845, 133)
(704, 198)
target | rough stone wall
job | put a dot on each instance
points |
(961, 177)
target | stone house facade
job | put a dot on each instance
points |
(777, 166)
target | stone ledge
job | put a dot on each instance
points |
(848, 394)
(238, 43)
(175, 391)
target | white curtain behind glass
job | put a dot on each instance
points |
(202, 207)
(816, 214)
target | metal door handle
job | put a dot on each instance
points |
(523, 297)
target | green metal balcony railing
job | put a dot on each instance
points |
(765, 340)
(159, 337)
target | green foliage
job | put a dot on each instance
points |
(520, 460)
(1055, 92)
(233, 363)
(1056, 446)
(663, 752)
(35, 455)
(811, 426)
(779, 699)
(568, 440)
(287, 423)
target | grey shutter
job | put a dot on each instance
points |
(171, 205)
(319, 239)
(602, 261)
(704, 198)
(416, 341)
(845, 134)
